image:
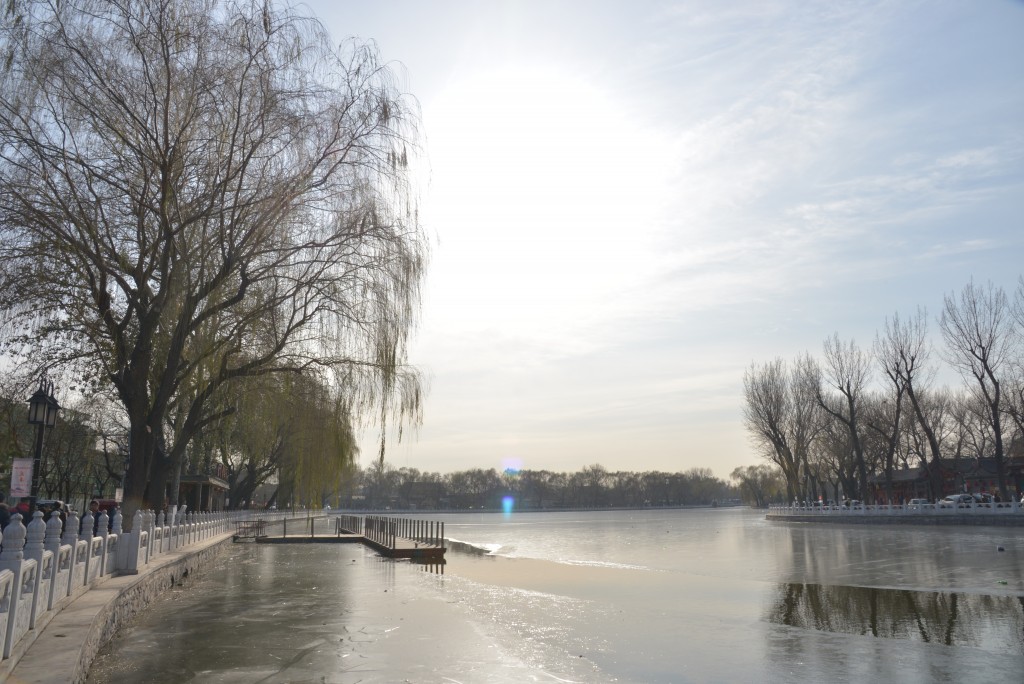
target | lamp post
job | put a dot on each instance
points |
(42, 412)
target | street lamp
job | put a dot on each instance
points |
(42, 412)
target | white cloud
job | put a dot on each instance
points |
(624, 225)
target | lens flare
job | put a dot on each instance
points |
(508, 502)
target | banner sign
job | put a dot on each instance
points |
(21, 477)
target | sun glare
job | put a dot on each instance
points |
(542, 193)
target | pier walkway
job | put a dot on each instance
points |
(418, 540)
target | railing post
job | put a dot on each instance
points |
(161, 524)
(58, 585)
(45, 561)
(102, 526)
(71, 539)
(19, 605)
(133, 547)
(86, 527)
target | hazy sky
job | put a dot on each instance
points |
(632, 201)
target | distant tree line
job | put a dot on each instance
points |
(291, 443)
(381, 486)
(833, 423)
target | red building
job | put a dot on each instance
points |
(972, 475)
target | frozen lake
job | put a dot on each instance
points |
(620, 596)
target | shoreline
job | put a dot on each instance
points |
(929, 520)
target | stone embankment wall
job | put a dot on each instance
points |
(1001, 514)
(916, 520)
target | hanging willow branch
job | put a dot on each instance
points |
(195, 192)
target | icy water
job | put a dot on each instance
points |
(623, 596)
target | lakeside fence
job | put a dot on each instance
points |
(392, 536)
(1003, 508)
(387, 531)
(351, 524)
(293, 525)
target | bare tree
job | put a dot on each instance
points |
(978, 330)
(189, 185)
(906, 351)
(887, 418)
(970, 427)
(781, 419)
(1015, 391)
(838, 386)
(831, 459)
(884, 419)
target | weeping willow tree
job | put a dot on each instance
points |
(321, 451)
(295, 428)
(196, 192)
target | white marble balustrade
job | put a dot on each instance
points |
(1007, 508)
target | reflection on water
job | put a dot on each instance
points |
(433, 565)
(631, 597)
(993, 623)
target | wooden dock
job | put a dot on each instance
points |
(418, 540)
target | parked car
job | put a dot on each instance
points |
(918, 504)
(109, 505)
(48, 507)
(957, 500)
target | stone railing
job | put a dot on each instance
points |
(48, 564)
(943, 508)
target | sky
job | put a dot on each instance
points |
(631, 202)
